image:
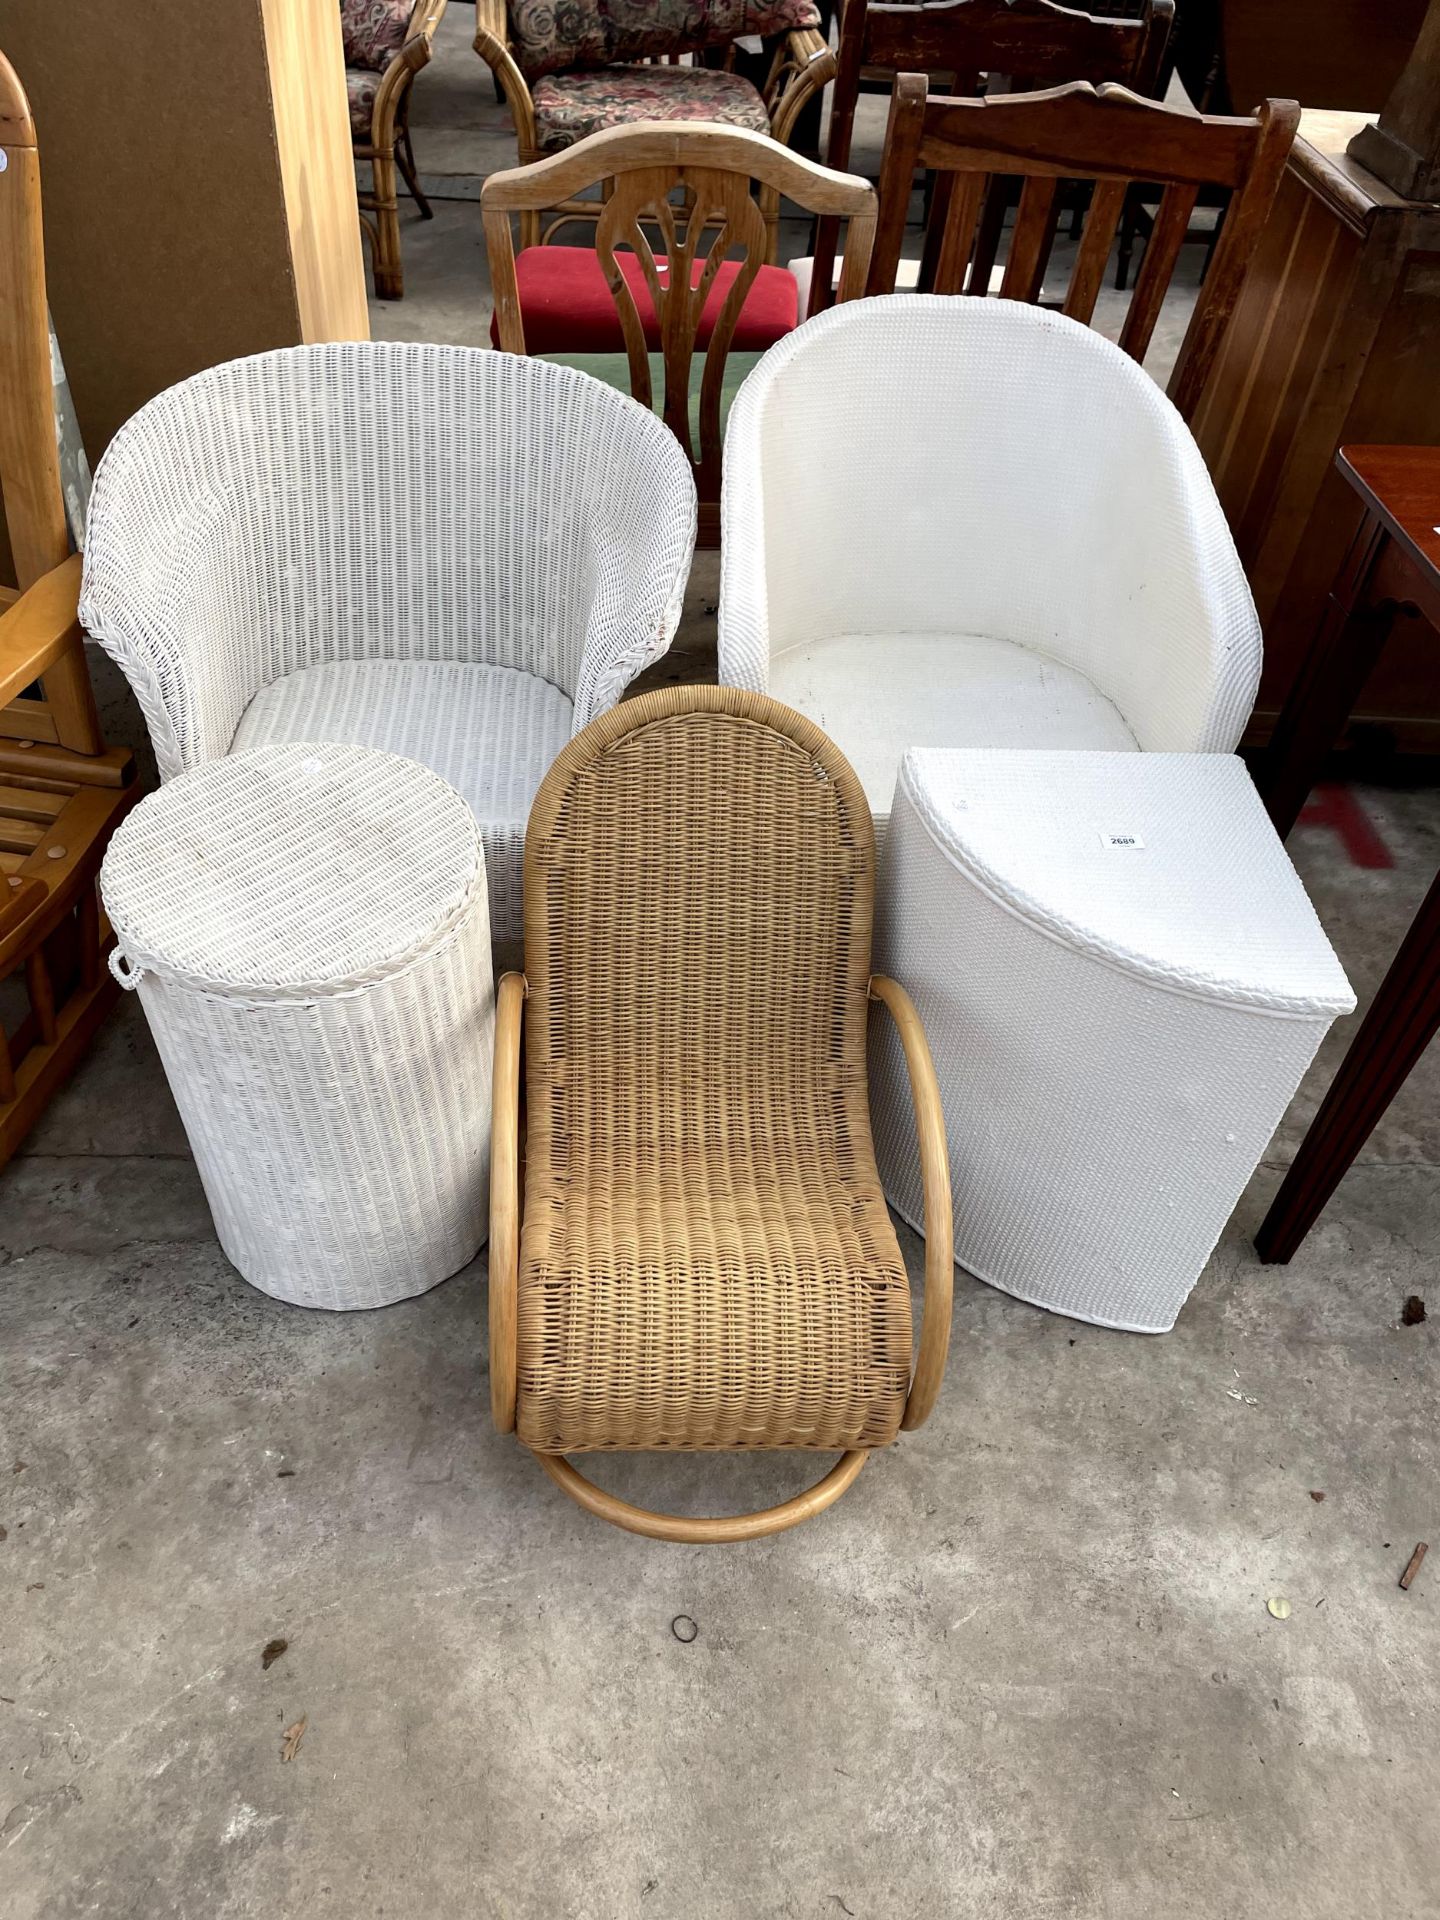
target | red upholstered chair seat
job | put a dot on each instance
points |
(566, 306)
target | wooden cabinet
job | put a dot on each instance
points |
(1336, 340)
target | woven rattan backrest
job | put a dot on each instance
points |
(699, 873)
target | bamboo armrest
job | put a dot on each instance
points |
(41, 625)
(811, 65)
(504, 1253)
(415, 54)
(490, 19)
(806, 44)
(939, 1221)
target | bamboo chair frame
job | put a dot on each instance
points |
(1106, 135)
(717, 169)
(626, 1006)
(1032, 43)
(389, 148)
(802, 68)
(61, 791)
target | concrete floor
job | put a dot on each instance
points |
(1024, 1669)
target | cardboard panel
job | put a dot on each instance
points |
(182, 226)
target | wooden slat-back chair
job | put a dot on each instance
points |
(706, 1260)
(1032, 43)
(1105, 135)
(61, 792)
(701, 191)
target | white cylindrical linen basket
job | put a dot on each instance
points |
(308, 931)
(1123, 982)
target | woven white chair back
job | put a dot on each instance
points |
(919, 464)
(367, 501)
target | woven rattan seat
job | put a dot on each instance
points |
(706, 1258)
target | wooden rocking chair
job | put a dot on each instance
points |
(61, 791)
(706, 1259)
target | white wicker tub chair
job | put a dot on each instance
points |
(957, 522)
(458, 556)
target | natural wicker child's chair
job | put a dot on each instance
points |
(706, 1258)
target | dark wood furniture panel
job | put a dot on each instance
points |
(1393, 559)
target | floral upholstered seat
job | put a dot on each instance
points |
(568, 106)
(571, 68)
(551, 38)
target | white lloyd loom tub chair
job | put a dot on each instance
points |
(971, 523)
(456, 556)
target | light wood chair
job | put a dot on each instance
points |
(379, 97)
(1108, 136)
(705, 1259)
(650, 79)
(1031, 43)
(61, 791)
(707, 193)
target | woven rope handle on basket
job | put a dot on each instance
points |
(129, 976)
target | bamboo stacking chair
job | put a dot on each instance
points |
(705, 300)
(386, 45)
(567, 72)
(705, 1260)
(61, 791)
(1106, 135)
(1031, 43)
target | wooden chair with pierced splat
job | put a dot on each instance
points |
(571, 71)
(61, 791)
(677, 297)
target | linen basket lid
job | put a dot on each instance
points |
(1162, 864)
(292, 872)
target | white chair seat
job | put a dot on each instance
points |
(877, 695)
(913, 463)
(456, 555)
(492, 732)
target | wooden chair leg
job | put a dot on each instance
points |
(389, 277)
(405, 160)
(707, 1532)
(1400, 1025)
